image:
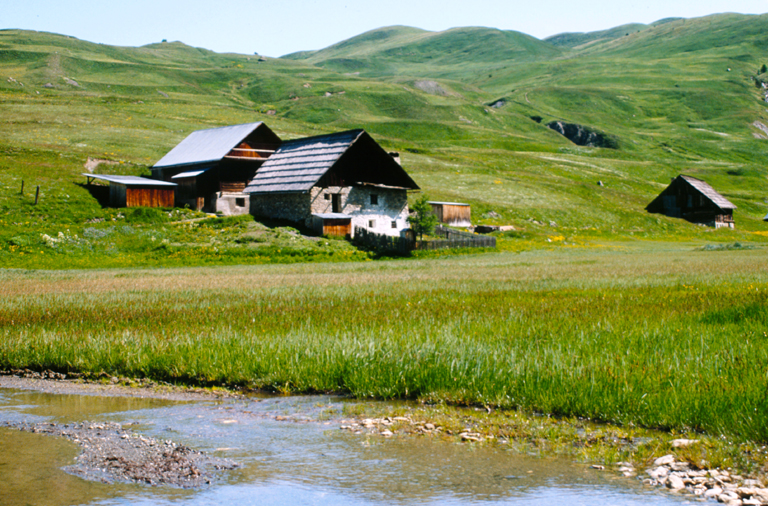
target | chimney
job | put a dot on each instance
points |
(396, 156)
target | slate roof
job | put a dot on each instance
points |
(204, 146)
(129, 180)
(709, 192)
(298, 164)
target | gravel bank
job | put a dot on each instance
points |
(111, 453)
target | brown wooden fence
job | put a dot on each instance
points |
(403, 246)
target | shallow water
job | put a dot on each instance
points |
(288, 457)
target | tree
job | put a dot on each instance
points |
(423, 220)
(763, 69)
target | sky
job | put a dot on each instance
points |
(278, 27)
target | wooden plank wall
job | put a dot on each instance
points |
(149, 197)
(341, 228)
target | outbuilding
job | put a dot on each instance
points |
(695, 201)
(135, 191)
(452, 213)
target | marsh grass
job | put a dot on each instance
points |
(671, 341)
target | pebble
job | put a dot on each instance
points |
(716, 484)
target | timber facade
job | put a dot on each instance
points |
(452, 213)
(212, 167)
(134, 191)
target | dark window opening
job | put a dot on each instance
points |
(371, 223)
(394, 224)
(327, 196)
(374, 199)
(240, 202)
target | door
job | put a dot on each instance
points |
(336, 203)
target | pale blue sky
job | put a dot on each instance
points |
(278, 27)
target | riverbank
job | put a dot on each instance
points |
(693, 464)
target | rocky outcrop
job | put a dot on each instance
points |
(583, 136)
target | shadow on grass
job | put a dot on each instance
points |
(98, 192)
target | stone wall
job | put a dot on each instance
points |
(230, 204)
(283, 206)
(386, 216)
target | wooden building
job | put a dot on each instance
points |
(346, 175)
(452, 213)
(695, 201)
(212, 167)
(134, 191)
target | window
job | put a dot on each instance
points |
(327, 196)
(394, 224)
(371, 223)
(240, 202)
(374, 199)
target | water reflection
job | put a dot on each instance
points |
(298, 461)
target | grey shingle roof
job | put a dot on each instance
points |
(209, 145)
(129, 180)
(298, 164)
(709, 192)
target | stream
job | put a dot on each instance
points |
(290, 451)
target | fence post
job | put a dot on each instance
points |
(22, 188)
(37, 194)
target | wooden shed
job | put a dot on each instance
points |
(695, 201)
(134, 191)
(337, 224)
(452, 213)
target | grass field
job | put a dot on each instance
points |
(590, 308)
(663, 336)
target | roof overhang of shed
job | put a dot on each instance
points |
(129, 180)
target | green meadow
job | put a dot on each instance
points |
(590, 307)
(664, 336)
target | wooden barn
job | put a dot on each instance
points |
(695, 201)
(320, 181)
(134, 191)
(213, 166)
(452, 213)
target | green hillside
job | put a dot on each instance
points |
(467, 107)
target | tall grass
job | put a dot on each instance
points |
(674, 343)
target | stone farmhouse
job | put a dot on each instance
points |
(695, 201)
(334, 183)
(331, 183)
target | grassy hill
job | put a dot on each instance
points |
(678, 96)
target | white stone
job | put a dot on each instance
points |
(675, 483)
(664, 461)
(681, 443)
(658, 472)
(713, 492)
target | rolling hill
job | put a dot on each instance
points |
(467, 107)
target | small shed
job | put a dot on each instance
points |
(695, 201)
(134, 191)
(337, 224)
(452, 213)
